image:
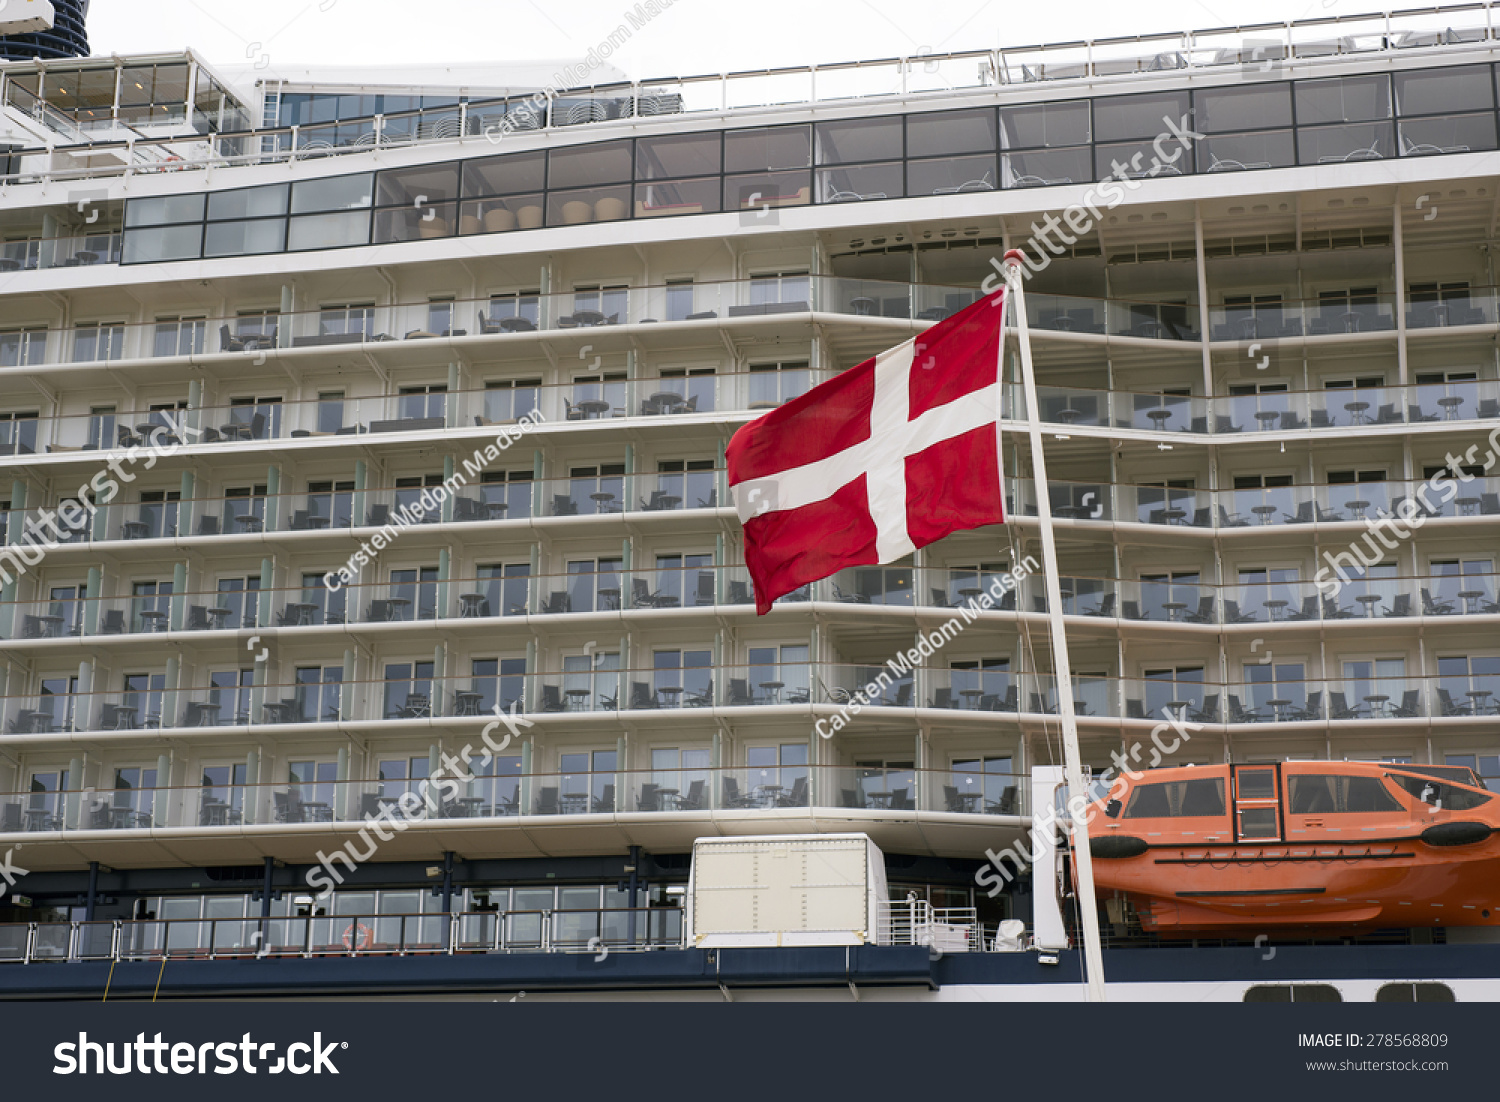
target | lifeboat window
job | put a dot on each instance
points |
(1258, 822)
(1415, 993)
(1322, 794)
(1177, 799)
(1446, 797)
(1293, 993)
(1256, 784)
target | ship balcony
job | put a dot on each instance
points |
(683, 689)
(605, 591)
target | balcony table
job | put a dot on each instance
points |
(316, 812)
(668, 798)
(1068, 416)
(135, 530)
(278, 712)
(1377, 703)
(471, 605)
(1356, 508)
(576, 697)
(1265, 512)
(1369, 600)
(121, 818)
(218, 616)
(201, 713)
(878, 799)
(573, 803)
(305, 612)
(1450, 406)
(126, 717)
(1467, 506)
(1174, 607)
(472, 805)
(397, 607)
(1267, 417)
(466, 703)
(1178, 706)
(153, 619)
(1279, 707)
(773, 690)
(1479, 696)
(862, 306)
(588, 317)
(1173, 516)
(249, 522)
(667, 400)
(1357, 412)
(1159, 418)
(602, 501)
(215, 812)
(317, 523)
(1471, 599)
(971, 698)
(970, 593)
(673, 693)
(1275, 607)
(770, 794)
(51, 626)
(609, 599)
(496, 509)
(37, 818)
(593, 407)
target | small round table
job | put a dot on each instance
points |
(1467, 506)
(397, 607)
(1173, 516)
(1278, 706)
(1450, 406)
(1357, 412)
(609, 599)
(154, 619)
(1265, 512)
(466, 703)
(773, 690)
(218, 616)
(1274, 606)
(673, 693)
(971, 698)
(1470, 598)
(305, 612)
(1267, 417)
(602, 502)
(1357, 508)
(1377, 703)
(593, 407)
(1068, 416)
(1173, 608)
(496, 509)
(250, 523)
(1369, 600)
(1159, 418)
(471, 605)
(576, 697)
(1478, 696)
(667, 401)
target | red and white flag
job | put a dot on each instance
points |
(884, 458)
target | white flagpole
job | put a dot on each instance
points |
(1083, 863)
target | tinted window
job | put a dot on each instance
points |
(401, 187)
(678, 155)
(1445, 91)
(857, 140)
(164, 210)
(1446, 796)
(337, 193)
(1330, 793)
(1177, 799)
(944, 133)
(772, 147)
(1252, 107)
(605, 163)
(1045, 124)
(507, 175)
(1343, 99)
(250, 202)
(1144, 116)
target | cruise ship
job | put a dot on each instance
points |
(374, 613)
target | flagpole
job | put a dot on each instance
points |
(1083, 862)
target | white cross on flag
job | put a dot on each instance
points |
(884, 458)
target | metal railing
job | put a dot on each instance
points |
(356, 935)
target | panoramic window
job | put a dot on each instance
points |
(1177, 799)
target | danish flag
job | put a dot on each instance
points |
(884, 458)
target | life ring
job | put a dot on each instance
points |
(361, 937)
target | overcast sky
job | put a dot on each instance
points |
(690, 37)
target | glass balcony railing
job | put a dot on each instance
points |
(499, 791)
(593, 587)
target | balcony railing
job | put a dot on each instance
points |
(498, 790)
(818, 692)
(604, 588)
(346, 935)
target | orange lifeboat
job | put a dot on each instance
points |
(1255, 848)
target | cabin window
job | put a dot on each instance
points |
(1177, 799)
(1322, 794)
(1257, 784)
(1444, 796)
(1415, 993)
(1293, 993)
